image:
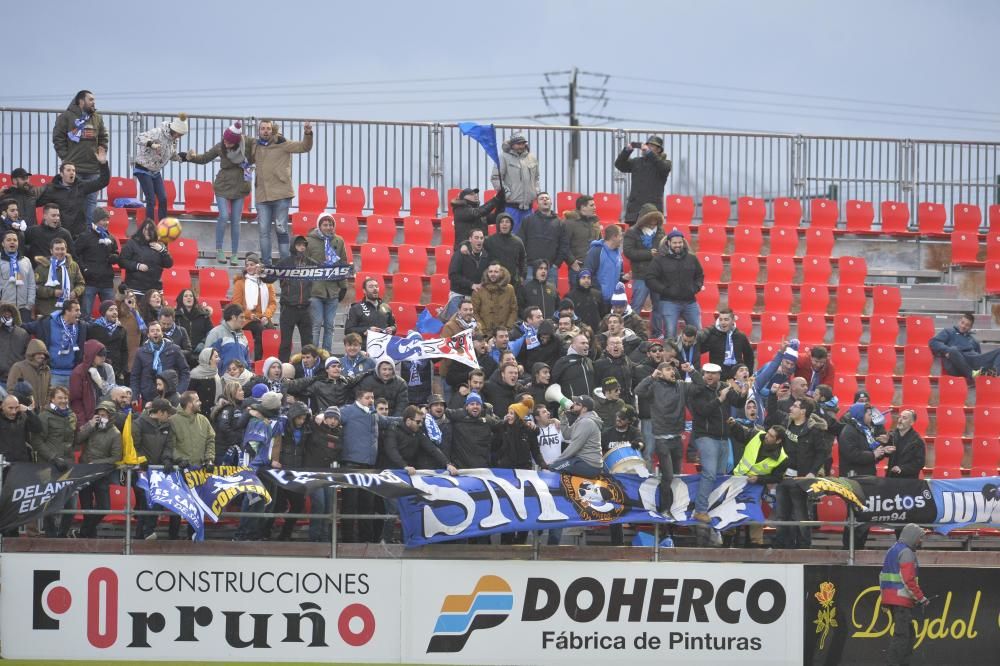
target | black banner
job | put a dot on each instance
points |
(884, 500)
(30, 489)
(845, 622)
(334, 273)
(385, 483)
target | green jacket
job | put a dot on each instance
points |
(100, 446)
(229, 182)
(194, 438)
(82, 153)
(45, 297)
(316, 250)
(56, 438)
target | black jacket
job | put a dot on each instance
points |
(713, 341)
(909, 455)
(710, 416)
(116, 345)
(541, 235)
(326, 392)
(588, 305)
(575, 374)
(230, 423)
(14, 435)
(548, 353)
(856, 459)
(144, 377)
(508, 249)
(365, 314)
(518, 447)
(466, 270)
(402, 447)
(196, 322)
(636, 251)
(291, 453)
(72, 199)
(676, 277)
(38, 240)
(323, 447)
(153, 439)
(471, 438)
(469, 217)
(542, 294)
(621, 369)
(96, 259)
(295, 293)
(499, 394)
(649, 177)
(137, 251)
(394, 391)
(26, 199)
(806, 449)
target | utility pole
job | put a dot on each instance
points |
(574, 89)
(574, 121)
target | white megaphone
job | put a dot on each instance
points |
(554, 394)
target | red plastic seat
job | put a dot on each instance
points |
(609, 206)
(489, 194)
(850, 299)
(881, 360)
(844, 387)
(919, 329)
(412, 259)
(846, 358)
(711, 239)
(119, 188)
(810, 329)
(852, 270)
(747, 240)
(950, 421)
(780, 268)
(916, 389)
(118, 226)
(816, 270)
(741, 297)
(966, 217)
(883, 330)
(819, 242)
(750, 211)
(381, 230)
(184, 252)
(895, 217)
(711, 265)
(823, 214)
(680, 211)
(831, 509)
(349, 200)
(5, 180)
(993, 245)
(988, 390)
(271, 339)
(424, 202)
(359, 282)
(814, 299)
(216, 308)
(407, 288)
(565, 202)
(964, 248)
(777, 297)
(213, 283)
(312, 198)
(986, 452)
(930, 218)
(440, 288)
(847, 329)
(881, 390)
(886, 300)
(347, 227)
(386, 201)
(946, 472)
(714, 210)
(303, 223)
(952, 391)
(442, 260)
(917, 359)
(860, 215)
(375, 259)
(174, 281)
(418, 231)
(993, 277)
(708, 298)
(406, 316)
(199, 196)
(787, 212)
(774, 327)
(986, 421)
(948, 449)
(783, 241)
(744, 268)
(170, 190)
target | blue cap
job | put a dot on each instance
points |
(473, 398)
(259, 390)
(584, 273)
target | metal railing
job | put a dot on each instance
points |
(368, 154)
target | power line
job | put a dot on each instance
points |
(491, 100)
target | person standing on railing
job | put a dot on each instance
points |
(649, 170)
(78, 136)
(54, 445)
(194, 442)
(156, 147)
(641, 244)
(231, 185)
(272, 155)
(518, 176)
(154, 440)
(710, 403)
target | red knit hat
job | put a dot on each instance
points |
(233, 133)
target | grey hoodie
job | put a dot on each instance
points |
(668, 400)
(583, 439)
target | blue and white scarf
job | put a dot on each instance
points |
(67, 345)
(79, 125)
(61, 279)
(331, 255)
(15, 268)
(433, 429)
(110, 326)
(104, 236)
(138, 320)
(157, 362)
(730, 354)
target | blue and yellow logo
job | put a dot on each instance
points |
(488, 606)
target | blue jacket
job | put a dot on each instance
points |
(359, 366)
(144, 376)
(42, 329)
(768, 374)
(606, 266)
(950, 339)
(360, 435)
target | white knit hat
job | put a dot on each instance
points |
(179, 124)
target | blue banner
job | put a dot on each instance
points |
(485, 136)
(172, 493)
(480, 502)
(964, 502)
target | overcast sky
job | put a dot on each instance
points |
(919, 69)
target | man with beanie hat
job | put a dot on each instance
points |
(861, 444)
(641, 245)
(324, 248)
(296, 300)
(24, 194)
(231, 185)
(508, 249)
(676, 276)
(80, 138)
(538, 290)
(17, 277)
(588, 302)
(541, 233)
(517, 175)
(899, 583)
(649, 170)
(472, 430)
(13, 340)
(469, 215)
(97, 254)
(779, 370)
(604, 261)
(580, 228)
(157, 147)
(323, 452)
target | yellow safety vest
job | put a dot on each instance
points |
(750, 466)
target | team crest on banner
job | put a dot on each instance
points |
(601, 499)
(383, 346)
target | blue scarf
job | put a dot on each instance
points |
(101, 231)
(61, 412)
(138, 320)
(79, 124)
(62, 279)
(331, 255)
(110, 326)
(647, 239)
(730, 356)
(433, 429)
(157, 363)
(69, 336)
(15, 268)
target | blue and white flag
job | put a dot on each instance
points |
(413, 347)
(172, 493)
(963, 502)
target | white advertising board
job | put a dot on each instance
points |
(199, 608)
(489, 612)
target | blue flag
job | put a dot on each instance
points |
(485, 136)
(427, 323)
(172, 493)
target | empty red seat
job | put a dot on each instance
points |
(810, 329)
(952, 391)
(819, 242)
(213, 283)
(844, 387)
(174, 281)
(930, 218)
(881, 360)
(708, 298)
(714, 210)
(950, 421)
(747, 240)
(993, 277)
(780, 269)
(386, 200)
(986, 452)
(184, 252)
(750, 211)
(418, 230)
(881, 390)
(831, 509)
(407, 287)
(816, 270)
(774, 327)
(744, 268)
(609, 206)
(948, 449)
(787, 212)
(895, 217)
(119, 188)
(442, 260)
(424, 202)
(741, 297)
(406, 316)
(347, 227)
(847, 329)
(986, 421)
(777, 297)
(964, 248)
(993, 245)
(440, 287)
(784, 241)
(860, 215)
(199, 195)
(680, 211)
(988, 390)
(884, 330)
(565, 202)
(711, 265)
(919, 329)
(271, 339)
(966, 217)
(170, 190)
(916, 389)
(846, 358)
(215, 308)
(412, 259)
(375, 258)
(852, 270)
(312, 198)
(5, 180)
(917, 359)
(381, 230)
(350, 200)
(850, 299)
(886, 300)
(447, 231)
(814, 299)
(823, 214)
(711, 239)
(118, 226)
(303, 223)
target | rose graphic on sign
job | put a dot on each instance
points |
(826, 616)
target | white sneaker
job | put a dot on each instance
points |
(151, 537)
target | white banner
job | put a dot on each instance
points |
(602, 612)
(64, 607)
(386, 347)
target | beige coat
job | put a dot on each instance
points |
(274, 166)
(495, 304)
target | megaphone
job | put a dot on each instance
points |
(554, 394)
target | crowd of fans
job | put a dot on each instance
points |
(675, 394)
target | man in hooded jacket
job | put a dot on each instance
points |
(507, 248)
(296, 300)
(517, 176)
(899, 586)
(676, 276)
(641, 245)
(386, 384)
